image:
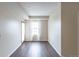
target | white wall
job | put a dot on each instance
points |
(64, 38)
(27, 31)
(54, 29)
(44, 30)
(10, 28)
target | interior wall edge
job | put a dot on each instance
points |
(54, 48)
(14, 50)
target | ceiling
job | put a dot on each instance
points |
(39, 8)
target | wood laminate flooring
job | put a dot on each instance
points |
(35, 49)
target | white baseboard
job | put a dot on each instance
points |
(33, 41)
(55, 50)
(14, 50)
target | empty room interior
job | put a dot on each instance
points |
(39, 29)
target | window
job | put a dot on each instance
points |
(35, 29)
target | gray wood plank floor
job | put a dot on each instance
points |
(35, 49)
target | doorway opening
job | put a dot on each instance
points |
(23, 31)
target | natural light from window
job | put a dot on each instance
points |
(23, 31)
(35, 30)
